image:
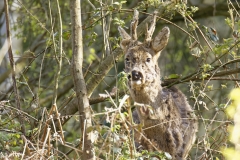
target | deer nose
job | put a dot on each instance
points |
(136, 75)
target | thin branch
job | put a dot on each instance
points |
(228, 72)
(167, 82)
(58, 55)
(102, 70)
(105, 32)
(197, 75)
(225, 53)
(90, 3)
(17, 100)
(212, 76)
(201, 34)
(104, 98)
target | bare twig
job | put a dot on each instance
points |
(105, 30)
(26, 150)
(57, 75)
(58, 55)
(44, 143)
(21, 120)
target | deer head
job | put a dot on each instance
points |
(141, 58)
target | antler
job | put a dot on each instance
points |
(149, 32)
(134, 23)
(132, 38)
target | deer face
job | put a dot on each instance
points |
(141, 58)
(141, 66)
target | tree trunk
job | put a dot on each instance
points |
(79, 83)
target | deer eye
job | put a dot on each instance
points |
(148, 60)
(127, 59)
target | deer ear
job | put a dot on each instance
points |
(126, 39)
(161, 40)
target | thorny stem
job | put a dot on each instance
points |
(12, 63)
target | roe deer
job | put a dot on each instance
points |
(167, 118)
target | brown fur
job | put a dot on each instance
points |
(167, 118)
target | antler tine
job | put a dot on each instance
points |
(134, 24)
(149, 32)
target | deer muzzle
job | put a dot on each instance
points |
(136, 77)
